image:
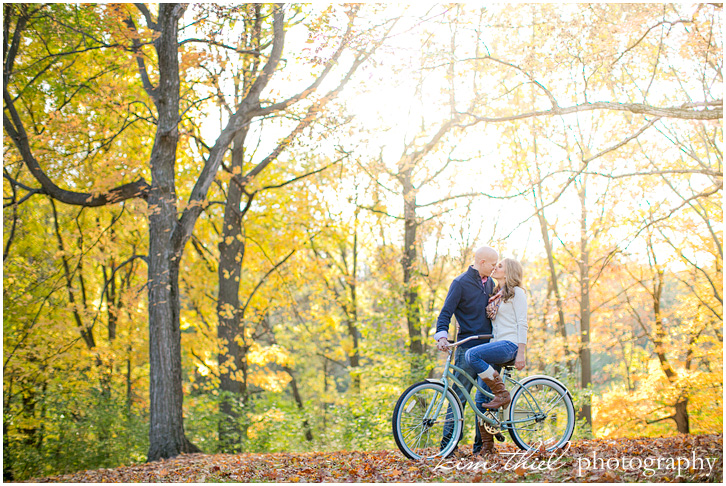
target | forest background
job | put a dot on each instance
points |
(231, 227)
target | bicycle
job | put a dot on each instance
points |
(541, 412)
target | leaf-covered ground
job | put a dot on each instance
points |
(683, 458)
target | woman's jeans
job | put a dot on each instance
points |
(480, 357)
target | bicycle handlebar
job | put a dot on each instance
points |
(457, 343)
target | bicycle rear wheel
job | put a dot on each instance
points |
(541, 414)
(418, 429)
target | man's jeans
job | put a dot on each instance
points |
(480, 357)
(460, 361)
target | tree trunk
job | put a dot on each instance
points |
(231, 255)
(352, 313)
(554, 282)
(681, 414)
(112, 306)
(8, 475)
(86, 332)
(129, 388)
(584, 264)
(354, 356)
(681, 417)
(299, 403)
(408, 262)
(544, 229)
(166, 432)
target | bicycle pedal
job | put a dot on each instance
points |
(499, 437)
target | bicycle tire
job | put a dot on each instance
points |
(417, 437)
(553, 430)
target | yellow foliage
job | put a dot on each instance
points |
(263, 355)
(272, 381)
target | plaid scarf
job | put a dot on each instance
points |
(493, 305)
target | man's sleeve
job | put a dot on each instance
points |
(450, 304)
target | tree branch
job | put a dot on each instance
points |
(709, 192)
(15, 45)
(147, 16)
(141, 65)
(17, 133)
(683, 112)
(262, 281)
(254, 52)
(378, 211)
(242, 116)
(680, 21)
(300, 177)
(113, 274)
(314, 86)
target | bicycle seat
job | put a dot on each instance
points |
(508, 364)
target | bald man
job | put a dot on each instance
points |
(467, 299)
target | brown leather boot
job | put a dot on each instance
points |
(501, 395)
(487, 441)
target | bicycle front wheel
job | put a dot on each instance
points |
(427, 421)
(541, 414)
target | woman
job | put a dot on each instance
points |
(508, 311)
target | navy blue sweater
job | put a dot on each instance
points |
(467, 300)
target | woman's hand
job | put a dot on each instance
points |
(520, 362)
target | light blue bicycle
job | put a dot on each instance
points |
(541, 412)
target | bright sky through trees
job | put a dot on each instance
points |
(390, 97)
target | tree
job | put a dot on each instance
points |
(244, 173)
(168, 232)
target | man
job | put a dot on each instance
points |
(467, 299)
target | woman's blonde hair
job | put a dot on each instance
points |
(512, 278)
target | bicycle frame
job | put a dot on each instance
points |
(449, 381)
(428, 420)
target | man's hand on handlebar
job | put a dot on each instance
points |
(442, 344)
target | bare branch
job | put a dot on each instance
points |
(300, 177)
(707, 172)
(686, 111)
(314, 86)
(547, 92)
(680, 21)
(378, 211)
(622, 142)
(262, 281)
(253, 52)
(709, 192)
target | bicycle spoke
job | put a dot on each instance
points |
(412, 427)
(414, 431)
(561, 397)
(418, 441)
(424, 419)
(542, 414)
